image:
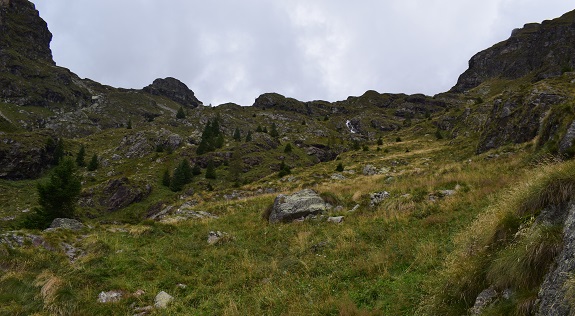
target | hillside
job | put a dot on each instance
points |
(436, 203)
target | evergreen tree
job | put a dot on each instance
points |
(284, 170)
(211, 170)
(379, 141)
(181, 114)
(249, 136)
(182, 176)
(235, 167)
(339, 167)
(80, 157)
(259, 129)
(57, 197)
(274, 131)
(166, 179)
(398, 139)
(265, 130)
(237, 135)
(129, 125)
(288, 149)
(212, 138)
(438, 134)
(57, 147)
(93, 165)
(196, 170)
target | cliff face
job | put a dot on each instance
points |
(543, 50)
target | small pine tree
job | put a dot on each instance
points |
(288, 149)
(58, 196)
(211, 170)
(284, 170)
(237, 135)
(249, 136)
(196, 170)
(58, 147)
(80, 157)
(365, 148)
(274, 131)
(166, 178)
(93, 165)
(181, 114)
(129, 125)
(259, 129)
(438, 134)
(379, 141)
(265, 130)
(339, 167)
(398, 139)
(303, 122)
(182, 176)
(355, 145)
(326, 118)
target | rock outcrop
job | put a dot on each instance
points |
(174, 90)
(287, 208)
(542, 50)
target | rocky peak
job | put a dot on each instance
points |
(174, 90)
(543, 50)
(23, 31)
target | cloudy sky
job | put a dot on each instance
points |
(233, 51)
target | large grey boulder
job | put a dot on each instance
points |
(287, 208)
(66, 223)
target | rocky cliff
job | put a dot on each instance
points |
(540, 50)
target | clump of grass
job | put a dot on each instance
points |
(523, 264)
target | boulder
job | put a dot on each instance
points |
(66, 223)
(120, 193)
(109, 297)
(215, 236)
(287, 208)
(377, 198)
(369, 170)
(484, 299)
(335, 219)
(162, 300)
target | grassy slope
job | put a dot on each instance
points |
(379, 259)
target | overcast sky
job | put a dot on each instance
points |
(233, 51)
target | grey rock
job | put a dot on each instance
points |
(335, 219)
(215, 236)
(337, 176)
(377, 198)
(369, 170)
(109, 297)
(484, 299)
(553, 291)
(286, 208)
(355, 208)
(162, 300)
(66, 223)
(174, 90)
(567, 140)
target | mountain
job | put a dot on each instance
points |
(440, 205)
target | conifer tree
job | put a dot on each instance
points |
(237, 135)
(210, 170)
(182, 176)
(259, 129)
(129, 125)
(196, 170)
(80, 157)
(181, 114)
(93, 164)
(274, 131)
(166, 178)
(339, 167)
(249, 136)
(57, 197)
(288, 148)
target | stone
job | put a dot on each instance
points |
(337, 176)
(121, 192)
(109, 297)
(162, 300)
(66, 223)
(484, 299)
(286, 208)
(181, 286)
(355, 208)
(335, 219)
(215, 236)
(377, 198)
(369, 170)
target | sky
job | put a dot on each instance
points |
(234, 51)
